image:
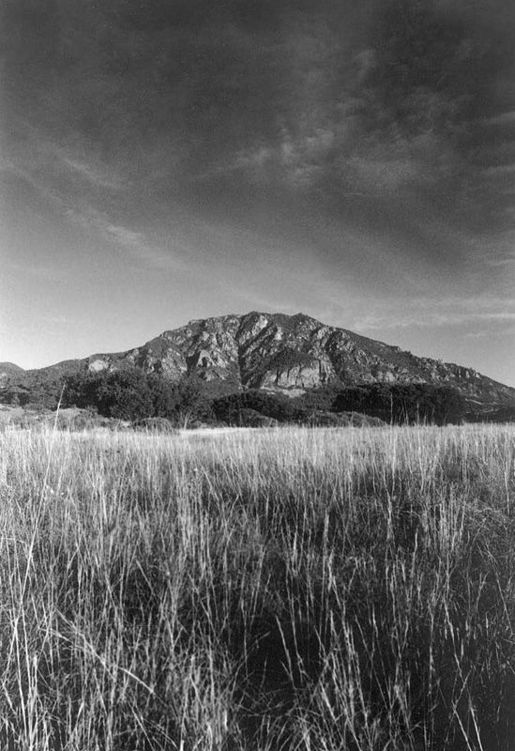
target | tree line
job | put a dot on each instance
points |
(131, 394)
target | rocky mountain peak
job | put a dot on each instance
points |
(289, 354)
(292, 353)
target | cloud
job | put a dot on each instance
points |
(501, 171)
(373, 114)
(243, 78)
(92, 173)
(505, 118)
(396, 116)
(505, 261)
(134, 244)
(63, 173)
(83, 192)
(379, 175)
(442, 313)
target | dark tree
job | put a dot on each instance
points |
(130, 394)
(404, 403)
(275, 406)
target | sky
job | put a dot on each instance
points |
(166, 160)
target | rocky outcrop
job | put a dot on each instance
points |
(291, 354)
(276, 352)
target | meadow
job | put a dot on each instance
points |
(266, 590)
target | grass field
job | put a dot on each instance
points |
(319, 590)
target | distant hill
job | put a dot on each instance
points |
(279, 353)
(9, 370)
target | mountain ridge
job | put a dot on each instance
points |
(284, 353)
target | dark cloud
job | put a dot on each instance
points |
(217, 76)
(407, 111)
(352, 106)
(156, 15)
(424, 56)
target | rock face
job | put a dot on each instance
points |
(291, 354)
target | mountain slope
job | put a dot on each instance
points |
(290, 354)
(275, 352)
(9, 370)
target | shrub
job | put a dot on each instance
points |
(130, 394)
(276, 406)
(404, 403)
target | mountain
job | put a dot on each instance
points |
(9, 370)
(288, 354)
(268, 351)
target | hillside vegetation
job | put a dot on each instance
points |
(315, 590)
(287, 355)
(131, 394)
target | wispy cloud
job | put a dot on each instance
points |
(502, 260)
(505, 118)
(134, 244)
(78, 187)
(91, 172)
(500, 170)
(423, 318)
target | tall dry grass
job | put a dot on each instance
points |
(284, 589)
